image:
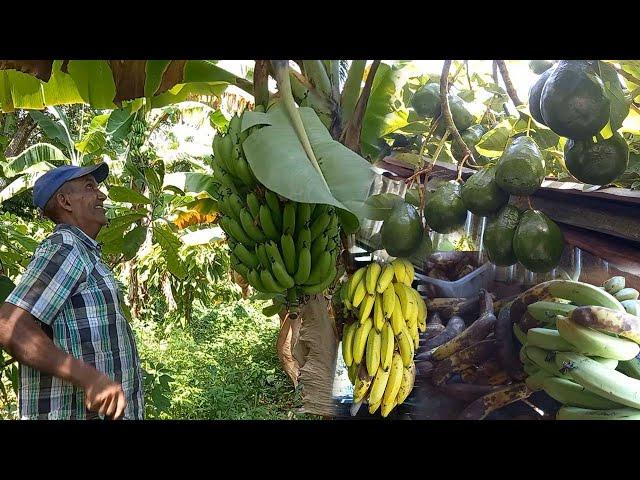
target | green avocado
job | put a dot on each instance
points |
(498, 236)
(481, 194)
(6, 287)
(597, 163)
(520, 170)
(426, 100)
(540, 66)
(444, 210)
(573, 101)
(471, 137)
(534, 96)
(538, 242)
(422, 252)
(401, 232)
(462, 118)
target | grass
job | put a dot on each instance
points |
(223, 366)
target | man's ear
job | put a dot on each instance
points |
(63, 201)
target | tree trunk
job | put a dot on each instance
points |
(25, 126)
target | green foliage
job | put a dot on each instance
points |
(223, 366)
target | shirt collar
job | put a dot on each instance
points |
(90, 242)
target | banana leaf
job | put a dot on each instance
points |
(280, 163)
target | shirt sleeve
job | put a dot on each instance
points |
(51, 277)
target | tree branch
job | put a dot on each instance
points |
(261, 82)
(19, 140)
(446, 113)
(351, 134)
(507, 83)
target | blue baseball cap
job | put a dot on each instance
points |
(51, 181)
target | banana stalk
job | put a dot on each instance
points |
(351, 91)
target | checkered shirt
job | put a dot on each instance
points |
(77, 299)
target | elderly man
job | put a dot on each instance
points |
(63, 322)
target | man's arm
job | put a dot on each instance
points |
(21, 336)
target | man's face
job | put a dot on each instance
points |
(86, 202)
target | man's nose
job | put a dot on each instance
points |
(101, 195)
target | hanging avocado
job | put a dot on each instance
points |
(534, 96)
(573, 101)
(538, 242)
(462, 118)
(401, 232)
(471, 137)
(444, 210)
(597, 163)
(481, 194)
(426, 100)
(540, 66)
(498, 236)
(520, 170)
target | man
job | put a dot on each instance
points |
(63, 322)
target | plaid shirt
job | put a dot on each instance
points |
(76, 297)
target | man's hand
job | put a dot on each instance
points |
(105, 396)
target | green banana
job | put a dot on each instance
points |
(226, 152)
(263, 258)
(319, 269)
(273, 253)
(323, 284)
(319, 225)
(269, 282)
(575, 413)
(536, 380)
(238, 266)
(253, 278)
(303, 240)
(281, 275)
(546, 312)
(304, 266)
(233, 129)
(266, 222)
(593, 342)
(631, 368)
(303, 215)
(548, 339)
(274, 205)
(545, 360)
(289, 218)
(520, 335)
(318, 210)
(582, 294)
(599, 379)
(318, 246)
(233, 228)
(614, 284)
(610, 363)
(570, 393)
(244, 171)
(250, 228)
(245, 256)
(288, 253)
(253, 204)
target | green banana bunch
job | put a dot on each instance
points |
(271, 237)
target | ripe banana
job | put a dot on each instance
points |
(599, 379)
(359, 293)
(373, 272)
(347, 343)
(389, 398)
(548, 339)
(614, 285)
(405, 344)
(409, 272)
(570, 393)
(373, 407)
(388, 301)
(386, 347)
(575, 413)
(372, 356)
(379, 386)
(408, 379)
(363, 383)
(385, 278)
(399, 270)
(591, 342)
(366, 307)
(608, 320)
(360, 340)
(422, 309)
(403, 297)
(378, 315)
(397, 320)
(353, 372)
(354, 280)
